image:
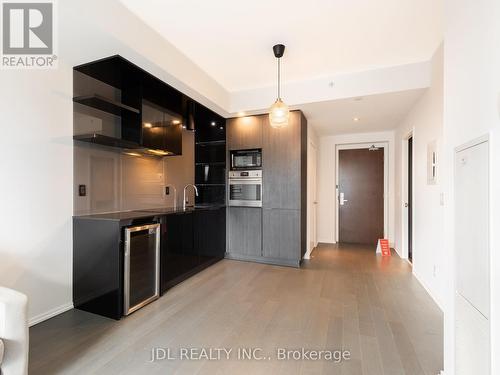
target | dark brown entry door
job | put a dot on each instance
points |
(361, 196)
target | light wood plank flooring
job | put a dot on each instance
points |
(343, 298)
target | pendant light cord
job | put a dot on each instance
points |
(279, 78)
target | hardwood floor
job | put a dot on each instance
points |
(344, 298)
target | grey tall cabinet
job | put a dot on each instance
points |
(275, 233)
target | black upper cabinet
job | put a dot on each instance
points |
(163, 95)
(132, 96)
(161, 129)
(139, 91)
(114, 71)
(210, 127)
(210, 156)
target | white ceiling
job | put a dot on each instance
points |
(375, 113)
(231, 40)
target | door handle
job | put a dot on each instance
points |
(341, 199)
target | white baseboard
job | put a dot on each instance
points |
(397, 251)
(50, 314)
(427, 289)
(329, 241)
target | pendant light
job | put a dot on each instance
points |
(279, 112)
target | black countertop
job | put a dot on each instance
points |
(147, 212)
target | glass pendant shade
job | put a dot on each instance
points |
(279, 114)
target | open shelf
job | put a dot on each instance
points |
(219, 163)
(104, 104)
(105, 140)
(211, 143)
(210, 184)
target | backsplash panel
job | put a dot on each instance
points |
(116, 181)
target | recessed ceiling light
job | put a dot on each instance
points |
(148, 125)
(176, 122)
(355, 119)
(183, 126)
(213, 123)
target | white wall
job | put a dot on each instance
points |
(37, 188)
(425, 121)
(471, 109)
(312, 147)
(37, 146)
(327, 199)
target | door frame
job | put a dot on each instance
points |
(363, 145)
(404, 196)
(311, 148)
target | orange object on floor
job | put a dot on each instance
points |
(383, 247)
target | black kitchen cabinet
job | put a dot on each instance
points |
(210, 127)
(210, 156)
(150, 112)
(161, 129)
(210, 173)
(211, 193)
(98, 267)
(210, 234)
(214, 153)
(179, 255)
(98, 257)
(191, 241)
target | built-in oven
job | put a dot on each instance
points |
(242, 160)
(141, 281)
(245, 188)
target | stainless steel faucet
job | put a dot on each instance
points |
(175, 194)
(184, 200)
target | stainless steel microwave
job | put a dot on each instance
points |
(246, 159)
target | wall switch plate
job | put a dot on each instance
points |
(82, 190)
(167, 190)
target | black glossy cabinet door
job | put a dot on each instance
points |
(98, 267)
(210, 156)
(210, 127)
(210, 234)
(163, 138)
(161, 128)
(179, 255)
(191, 241)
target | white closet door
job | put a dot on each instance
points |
(472, 259)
